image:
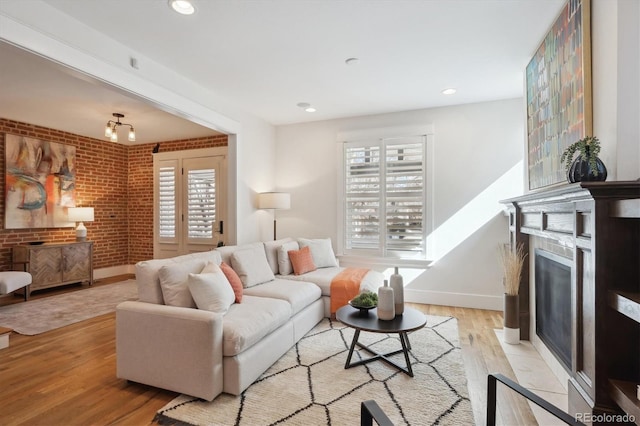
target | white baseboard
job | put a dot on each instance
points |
(113, 271)
(463, 300)
(4, 340)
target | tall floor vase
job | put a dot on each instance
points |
(511, 319)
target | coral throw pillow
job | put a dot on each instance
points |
(302, 261)
(234, 280)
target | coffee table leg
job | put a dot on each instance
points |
(406, 339)
(353, 346)
(406, 346)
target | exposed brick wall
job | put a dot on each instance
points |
(116, 180)
(140, 160)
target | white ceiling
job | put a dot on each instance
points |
(269, 55)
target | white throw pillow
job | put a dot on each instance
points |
(251, 266)
(173, 282)
(321, 251)
(210, 267)
(284, 263)
(271, 251)
(211, 291)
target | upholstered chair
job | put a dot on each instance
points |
(14, 280)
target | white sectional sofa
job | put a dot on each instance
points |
(203, 353)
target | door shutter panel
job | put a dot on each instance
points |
(201, 203)
(167, 210)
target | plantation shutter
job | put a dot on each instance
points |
(362, 197)
(384, 190)
(405, 195)
(201, 203)
(167, 210)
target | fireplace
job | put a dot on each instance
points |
(553, 304)
(590, 233)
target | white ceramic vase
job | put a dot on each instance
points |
(397, 285)
(386, 302)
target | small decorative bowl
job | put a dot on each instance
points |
(364, 310)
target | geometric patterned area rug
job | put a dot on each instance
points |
(310, 386)
(48, 313)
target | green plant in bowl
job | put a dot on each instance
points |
(366, 299)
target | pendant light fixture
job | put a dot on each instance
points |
(111, 129)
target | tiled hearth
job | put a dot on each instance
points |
(533, 373)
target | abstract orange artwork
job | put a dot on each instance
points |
(40, 179)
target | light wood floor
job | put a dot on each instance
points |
(67, 376)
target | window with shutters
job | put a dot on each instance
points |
(385, 198)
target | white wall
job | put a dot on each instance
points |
(474, 146)
(37, 27)
(615, 40)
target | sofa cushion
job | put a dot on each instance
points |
(174, 282)
(247, 322)
(302, 261)
(298, 294)
(271, 251)
(148, 280)
(251, 266)
(234, 281)
(211, 291)
(284, 263)
(322, 277)
(321, 250)
(226, 251)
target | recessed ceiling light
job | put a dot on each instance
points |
(449, 91)
(184, 7)
(352, 61)
(306, 106)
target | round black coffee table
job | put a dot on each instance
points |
(410, 320)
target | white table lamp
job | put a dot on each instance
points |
(81, 214)
(274, 201)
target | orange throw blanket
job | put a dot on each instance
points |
(345, 286)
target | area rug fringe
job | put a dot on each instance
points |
(309, 385)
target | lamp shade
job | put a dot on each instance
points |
(80, 214)
(274, 200)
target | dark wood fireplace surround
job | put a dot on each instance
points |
(598, 223)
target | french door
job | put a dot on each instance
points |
(189, 201)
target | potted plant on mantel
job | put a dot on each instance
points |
(512, 261)
(587, 166)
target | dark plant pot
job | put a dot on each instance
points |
(581, 171)
(511, 312)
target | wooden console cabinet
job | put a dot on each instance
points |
(53, 265)
(598, 225)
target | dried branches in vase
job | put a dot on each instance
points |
(512, 262)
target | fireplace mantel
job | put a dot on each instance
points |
(598, 225)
